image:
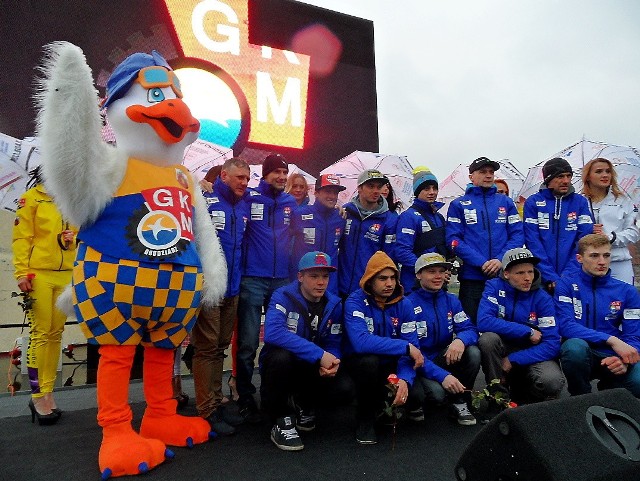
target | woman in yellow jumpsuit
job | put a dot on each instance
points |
(43, 254)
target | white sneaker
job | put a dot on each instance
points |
(462, 414)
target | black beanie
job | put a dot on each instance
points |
(273, 162)
(553, 168)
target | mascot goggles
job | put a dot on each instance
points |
(156, 76)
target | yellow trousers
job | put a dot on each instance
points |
(45, 335)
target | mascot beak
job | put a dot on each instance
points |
(171, 119)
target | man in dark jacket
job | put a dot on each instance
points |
(448, 341)
(300, 360)
(600, 322)
(265, 268)
(520, 342)
(370, 227)
(555, 219)
(212, 332)
(481, 226)
(420, 229)
(381, 330)
(319, 226)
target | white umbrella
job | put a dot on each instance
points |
(455, 184)
(397, 169)
(201, 155)
(256, 175)
(625, 159)
(17, 159)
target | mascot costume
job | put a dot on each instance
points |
(148, 255)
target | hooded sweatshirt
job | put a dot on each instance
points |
(366, 231)
(552, 228)
(381, 326)
(512, 314)
(440, 317)
(483, 225)
(594, 308)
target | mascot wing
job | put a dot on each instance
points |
(81, 171)
(214, 265)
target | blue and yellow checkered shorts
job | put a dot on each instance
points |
(123, 302)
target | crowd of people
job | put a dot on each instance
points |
(352, 294)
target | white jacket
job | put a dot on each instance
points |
(617, 216)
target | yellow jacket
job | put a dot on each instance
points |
(37, 233)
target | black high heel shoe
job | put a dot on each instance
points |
(43, 419)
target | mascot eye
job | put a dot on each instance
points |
(155, 95)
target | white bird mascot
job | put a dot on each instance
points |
(148, 256)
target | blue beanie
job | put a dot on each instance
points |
(420, 180)
(125, 73)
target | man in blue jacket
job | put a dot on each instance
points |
(370, 227)
(212, 331)
(319, 226)
(600, 320)
(520, 342)
(481, 226)
(420, 229)
(447, 341)
(554, 220)
(300, 360)
(381, 330)
(265, 268)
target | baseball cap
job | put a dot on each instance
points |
(315, 260)
(481, 162)
(329, 180)
(370, 174)
(516, 256)
(432, 259)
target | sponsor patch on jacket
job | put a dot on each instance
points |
(533, 317)
(421, 328)
(359, 314)
(306, 216)
(541, 203)
(543, 220)
(309, 235)
(257, 211)
(347, 227)
(292, 321)
(455, 220)
(631, 313)
(336, 329)
(514, 219)
(281, 308)
(548, 321)
(369, 322)
(460, 317)
(584, 219)
(408, 327)
(571, 217)
(502, 293)
(502, 211)
(211, 200)
(425, 226)
(492, 299)
(465, 202)
(417, 310)
(406, 230)
(565, 299)
(470, 216)
(219, 219)
(614, 307)
(287, 215)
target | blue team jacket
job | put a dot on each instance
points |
(439, 316)
(420, 229)
(387, 332)
(552, 228)
(268, 235)
(484, 225)
(285, 325)
(361, 239)
(315, 227)
(594, 308)
(229, 215)
(512, 313)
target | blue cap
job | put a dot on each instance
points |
(315, 260)
(420, 178)
(125, 73)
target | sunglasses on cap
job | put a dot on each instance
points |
(156, 76)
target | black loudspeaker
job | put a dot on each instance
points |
(594, 437)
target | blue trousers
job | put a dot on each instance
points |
(581, 363)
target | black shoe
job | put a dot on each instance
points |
(305, 418)
(285, 436)
(416, 415)
(230, 416)
(460, 412)
(366, 433)
(218, 425)
(249, 410)
(43, 419)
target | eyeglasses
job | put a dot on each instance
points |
(157, 76)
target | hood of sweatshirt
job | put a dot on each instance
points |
(364, 213)
(378, 262)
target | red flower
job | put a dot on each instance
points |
(393, 379)
(512, 404)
